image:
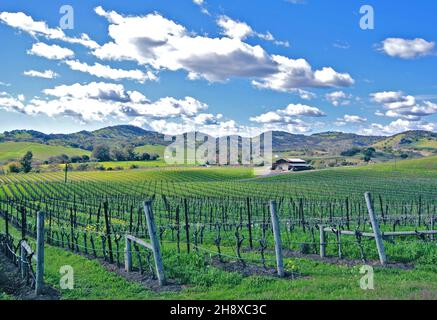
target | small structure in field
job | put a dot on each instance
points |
(291, 165)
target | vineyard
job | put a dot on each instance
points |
(215, 230)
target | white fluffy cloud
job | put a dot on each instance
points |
(296, 73)
(407, 48)
(397, 126)
(214, 128)
(11, 103)
(47, 74)
(235, 29)
(163, 44)
(288, 115)
(399, 105)
(107, 72)
(350, 119)
(25, 23)
(52, 52)
(100, 101)
(338, 98)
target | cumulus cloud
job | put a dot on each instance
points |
(207, 119)
(304, 94)
(52, 52)
(350, 119)
(107, 72)
(288, 115)
(163, 44)
(25, 23)
(338, 98)
(399, 105)
(407, 48)
(47, 74)
(100, 101)
(215, 128)
(11, 103)
(235, 29)
(297, 73)
(397, 126)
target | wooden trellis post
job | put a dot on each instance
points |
(154, 242)
(322, 241)
(39, 253)
(128, 256)
(278, 242)
(376, 230)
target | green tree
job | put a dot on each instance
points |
(26, 162)
(130, 153)
(102, 153)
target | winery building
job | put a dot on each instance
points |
(291, 165)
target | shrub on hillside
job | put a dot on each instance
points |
(83, 167)
(14, 167)
(59, 159)
(351, 152)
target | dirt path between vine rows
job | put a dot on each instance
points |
(12, 284)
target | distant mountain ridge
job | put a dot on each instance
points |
(327, 142)
(116, 135)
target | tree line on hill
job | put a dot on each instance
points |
(101, 153)
(368, 153)
(104, 153)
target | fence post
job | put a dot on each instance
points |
(7, 223)
(155, 242)
(23, 255)
(39, 253)
(23, 223)
(322, 241)
(376, 230)
(108, 230)
(128, 256)
(187, 225)
(277, 235)
(249, 223)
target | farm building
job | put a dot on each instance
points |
(291, 165)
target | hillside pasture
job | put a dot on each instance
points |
(10, 151)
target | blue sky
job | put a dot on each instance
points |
(221, 67)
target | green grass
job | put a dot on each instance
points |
(319, 280)
(4, 296)
(41, 152)
(201, 281)
(426, 167)
(426, 144)
(158, 149)
(129, 164)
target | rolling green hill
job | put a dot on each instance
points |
(326, 145)
(113, 136)
(409, 141)
(158, 149)
(15, 150)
